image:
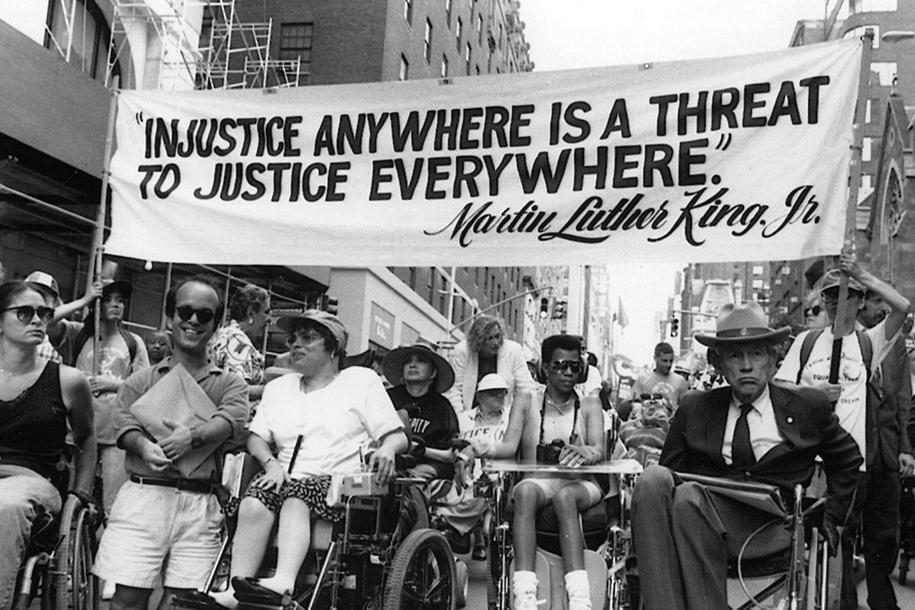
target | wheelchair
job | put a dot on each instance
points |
(382, 556)
(797, 578)
(606, 531)
(59, 556)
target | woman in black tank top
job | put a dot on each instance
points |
(37, 400)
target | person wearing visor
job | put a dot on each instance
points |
(120, 353)
(419, 377)
(558, 426)
(319, 418)
(877, 427)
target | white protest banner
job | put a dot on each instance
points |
(737, 158)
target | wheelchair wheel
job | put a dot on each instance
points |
(71, 584)
(497, 596)
(422, 574)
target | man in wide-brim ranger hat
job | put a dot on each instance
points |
(749, 430)
(420, 377)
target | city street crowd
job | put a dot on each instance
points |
(143, 425)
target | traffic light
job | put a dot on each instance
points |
(674, 327)
(559, 310)
(544, 308)
(329, 304)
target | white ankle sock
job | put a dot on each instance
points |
(524, 590)
(578, 590)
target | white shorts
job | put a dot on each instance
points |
(159, 535)
(550, 487)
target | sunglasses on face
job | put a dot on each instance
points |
(812, 311)
(204, 315)
(561, 365)
(25, 313)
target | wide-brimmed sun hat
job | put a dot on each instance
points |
(742, 324)
(393, 362)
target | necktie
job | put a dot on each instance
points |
(741, 449)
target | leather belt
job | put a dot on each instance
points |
(199, 486)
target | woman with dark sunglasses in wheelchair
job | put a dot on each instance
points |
(555, 426)
(38, 398)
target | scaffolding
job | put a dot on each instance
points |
(194, 44)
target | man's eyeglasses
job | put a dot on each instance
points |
(561, 365)
(25, 313)
(204, 315)
(812, 311)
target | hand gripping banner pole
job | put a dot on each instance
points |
(839, 328)
(98, 239)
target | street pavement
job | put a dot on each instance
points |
(476, 595)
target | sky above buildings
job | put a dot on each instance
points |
(572, 34)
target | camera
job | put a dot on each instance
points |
(548, 453)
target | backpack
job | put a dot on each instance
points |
(864, 342)
(85, 335)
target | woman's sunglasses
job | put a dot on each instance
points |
(204, 315)
(561, 365)
(812, 311)
(25, 313)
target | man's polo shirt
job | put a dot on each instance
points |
(228, 391)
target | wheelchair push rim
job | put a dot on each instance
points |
(422, 575)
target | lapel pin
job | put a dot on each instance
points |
(789, 419)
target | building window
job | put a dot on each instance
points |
(404, 68)
(467, 57)
(869, 6)
(408, 11)
(412, 282)
(427, 42)
(295, 43)
(448, 11)
(88, 35)
(479, 28)
(867, 145)
(444, 70)
(458, 32)
(883, 73)
(431, 286)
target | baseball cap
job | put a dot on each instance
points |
(327, 320)
(492, 381)
(45, 280)
(833, 276)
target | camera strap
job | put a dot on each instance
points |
(572, 435)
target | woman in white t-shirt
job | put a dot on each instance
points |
(318, 418)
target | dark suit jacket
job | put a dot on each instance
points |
(887, 422)
(806, 421)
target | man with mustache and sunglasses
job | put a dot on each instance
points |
(165, 527)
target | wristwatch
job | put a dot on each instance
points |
(196, 440)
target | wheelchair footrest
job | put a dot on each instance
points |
(249, 593)
(196, 600)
